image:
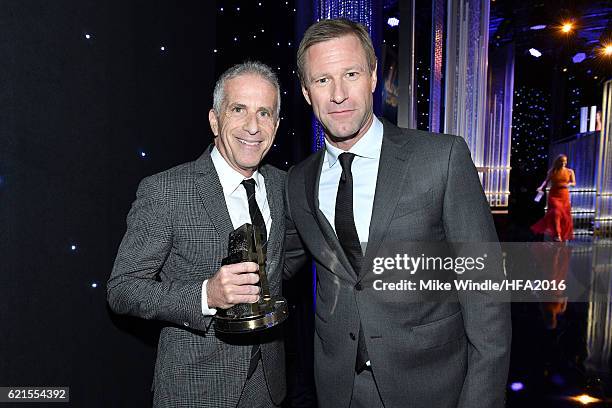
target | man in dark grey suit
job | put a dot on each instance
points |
(168, 266)
(378, 184)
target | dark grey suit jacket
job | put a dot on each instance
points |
(177, 235)
(423, 354)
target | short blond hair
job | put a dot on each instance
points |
(325, 30)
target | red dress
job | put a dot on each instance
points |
(558, 219)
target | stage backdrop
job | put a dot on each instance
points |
(94, 95)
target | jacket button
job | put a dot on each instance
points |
(358, 286)
(352, 335)
(186, 324)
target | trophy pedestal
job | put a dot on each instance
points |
(265, 314)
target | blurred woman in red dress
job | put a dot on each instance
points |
(558, 219)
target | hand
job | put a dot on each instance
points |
(233, 284)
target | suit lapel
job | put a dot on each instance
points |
(312, 175)
(211, 193)
(275, 202)
(393, 165)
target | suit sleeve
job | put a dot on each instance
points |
(134, 287)
(467, 219)
(295, 255)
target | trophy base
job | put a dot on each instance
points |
(273, 312)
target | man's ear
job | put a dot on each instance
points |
(214, 122)
(374, 77)
(306, 95)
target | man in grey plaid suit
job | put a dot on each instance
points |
(168, 264)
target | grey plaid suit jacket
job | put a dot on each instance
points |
(177, 235)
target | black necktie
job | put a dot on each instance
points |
(347, 235)
(256, 218)
(257, 221)
(344, 220)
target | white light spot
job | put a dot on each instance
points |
(87, 36)
(73, 247)
(393, 22)
(94, 285)
(535, 53)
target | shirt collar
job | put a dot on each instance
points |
(230, 179)
(368, 146)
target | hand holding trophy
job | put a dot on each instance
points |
(246, 245)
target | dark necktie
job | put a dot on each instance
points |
(344, 219)
(256, 218)
(258, 221)
(346, 231)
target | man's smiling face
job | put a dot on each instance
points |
(246, 126)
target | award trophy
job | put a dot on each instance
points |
(245, 245)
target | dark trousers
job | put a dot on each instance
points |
(365, 391)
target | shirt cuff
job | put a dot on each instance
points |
(206, 311)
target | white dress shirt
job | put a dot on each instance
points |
(364, 170)
(237, 204)
(365, 173)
